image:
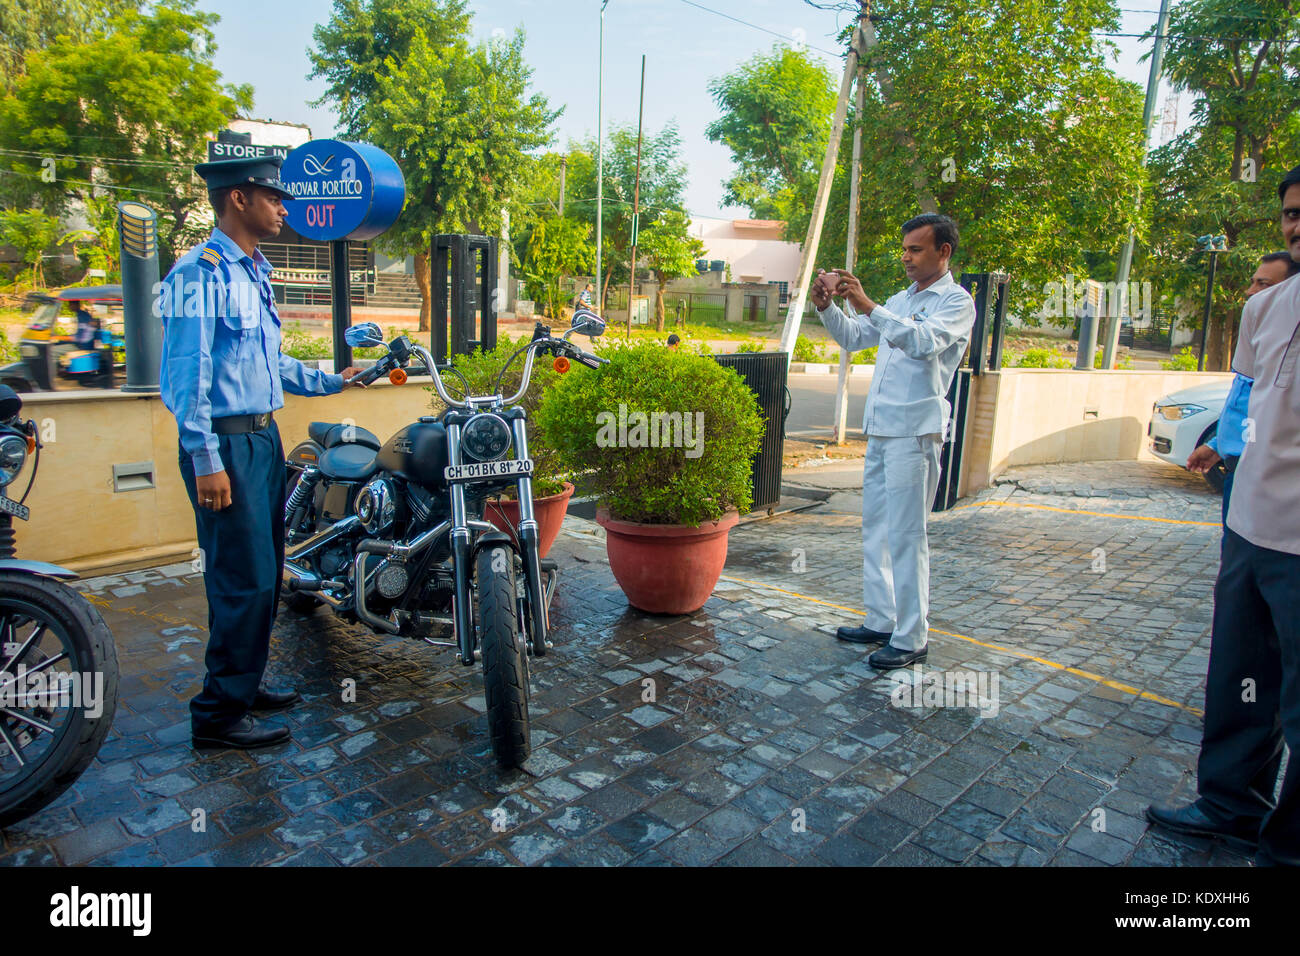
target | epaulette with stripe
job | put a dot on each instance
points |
(211, 254)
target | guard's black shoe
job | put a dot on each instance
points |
(268, 699)
(1193, 821)
(890, 657)
(248, 734)
(863, 635)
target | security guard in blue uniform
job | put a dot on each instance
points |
(223, 376)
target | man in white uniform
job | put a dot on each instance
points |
(922, 333)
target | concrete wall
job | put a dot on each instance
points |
(751, 247)
(79, 521)
(1027, 416)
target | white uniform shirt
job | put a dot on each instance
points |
(922, 337)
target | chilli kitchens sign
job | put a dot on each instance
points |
(342, 190)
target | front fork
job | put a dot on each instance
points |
(463, 551)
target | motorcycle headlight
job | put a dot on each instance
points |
(486, 437)
(13, 452)
(1176, 413)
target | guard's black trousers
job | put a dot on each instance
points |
(242, 549)
(1252, 697)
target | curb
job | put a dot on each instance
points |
(823, 368)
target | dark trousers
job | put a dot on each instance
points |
(1252, 698)
(242, 551)
(1227, 496)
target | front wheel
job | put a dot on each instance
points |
(505, 659)
(58, 690)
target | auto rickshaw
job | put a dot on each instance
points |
(48, 356)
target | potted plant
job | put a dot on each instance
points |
(667, 438)
(551, 493)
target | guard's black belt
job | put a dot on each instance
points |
(239, 424)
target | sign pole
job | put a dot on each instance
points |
(341, 286)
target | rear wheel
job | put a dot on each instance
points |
(53, 720)
(505, 659)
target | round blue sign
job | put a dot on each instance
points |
(342, 190)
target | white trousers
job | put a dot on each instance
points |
(899, 480)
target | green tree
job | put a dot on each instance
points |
(29, 25)
(458, 118)
(32, 233)
(73, 130)
(663, 188)
(669, 251)
(558, 246)
(776, 119)
(1003, 114)
(1220, 176)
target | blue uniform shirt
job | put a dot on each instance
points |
(221, 346)
(1228, 440)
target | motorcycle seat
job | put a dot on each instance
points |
(330, 434)
(349, 462)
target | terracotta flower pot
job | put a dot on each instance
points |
(666, 568)
(549, 512)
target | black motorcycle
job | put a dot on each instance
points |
(58, 664)
(393, 535)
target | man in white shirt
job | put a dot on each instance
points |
(922, 333)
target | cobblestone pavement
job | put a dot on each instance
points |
(764, 741)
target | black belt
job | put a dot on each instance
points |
(239, 424)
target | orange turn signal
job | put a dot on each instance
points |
(397, 376)
(31, 444)
(561, 364)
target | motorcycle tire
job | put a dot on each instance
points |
(88, 642)
(505, 659)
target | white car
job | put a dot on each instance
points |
(1183, 420)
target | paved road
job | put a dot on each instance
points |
(812, 405)
(741, 734)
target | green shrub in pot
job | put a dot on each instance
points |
(481, 370)
(665, 437)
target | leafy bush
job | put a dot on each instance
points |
(750, 347)
(1123, 360)
(1043, 358)
(1184, 361)
(686, 483)
(302, 345)
(482, 368)
(806, 350)
(8, 351)
(864, 356)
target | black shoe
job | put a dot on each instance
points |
(248, 733)
(275, 699)
(863, 635)
(1193, 821)
(890, 657)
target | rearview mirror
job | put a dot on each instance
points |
(586, 322)
(364, 336)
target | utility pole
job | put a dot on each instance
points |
(600, 157)
(794, 314)
(636, 198)
(1126, 255)
(851, 246)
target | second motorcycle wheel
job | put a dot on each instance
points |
(505, 659)
(58, 665)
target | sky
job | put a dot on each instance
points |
(685, 47)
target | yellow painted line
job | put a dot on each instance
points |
(1000, 648)
(1076, 511)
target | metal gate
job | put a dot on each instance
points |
(765, 374)
(989, 290)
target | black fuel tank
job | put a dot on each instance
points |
(417, 453)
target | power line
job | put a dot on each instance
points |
(82, 182)
(755, 26)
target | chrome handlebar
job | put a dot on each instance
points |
(533, 346)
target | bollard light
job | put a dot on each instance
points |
(138, 236)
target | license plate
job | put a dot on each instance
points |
(9, 506)
(488, 470)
